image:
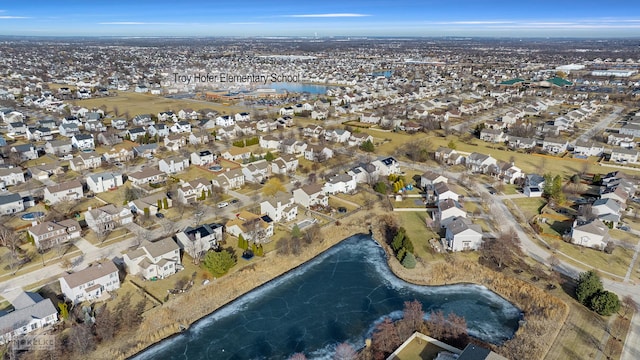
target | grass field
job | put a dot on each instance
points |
(616, 263)
(390, 141)
(136, 103)
(414, 224)
(529, 206)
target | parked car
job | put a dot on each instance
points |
(223, 204)
(234, 201)
(159, 215)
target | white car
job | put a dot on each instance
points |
(223, 204)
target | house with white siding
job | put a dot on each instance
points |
(91, 283)
(154, 260)
(66, 191)
(462, 235)
(101, 182)
(31, 312)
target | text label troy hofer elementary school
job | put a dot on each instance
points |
(234, 78)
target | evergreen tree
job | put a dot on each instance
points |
(409, 261)
(269, 156)
(605, 303)
(589, 284)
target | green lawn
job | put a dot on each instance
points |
(616, 263)
(529, 206)
(414, 224)
(116, 235)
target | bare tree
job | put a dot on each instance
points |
(11, 240)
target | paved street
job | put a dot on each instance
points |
(540, 254)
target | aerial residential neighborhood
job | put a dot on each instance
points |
(135, 200)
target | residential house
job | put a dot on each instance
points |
(198, 137)
(314, 131)
(448, 210)
(107, 218)
(11, 176)
(356, 139)
(167, 116)
(150, 203)
(146, 176)
(11, 204)
(340, 183)
(101, 182)
(492, 135)
(229, 180)
(554, 145)
(69, 129)
(17, 128)
(630, 129)
(31, 312)
(44, 171)
(225, 120)
(594, 234)
(119, 124)
(386, 166)
(39, 133)
(181, 127)
(154, 260)
(311, 195)
(280, 207)
(145, 150)
(337, 135)
(121, 152)
(480, 163)
(256, 171)
(187, 114)
(318, 153)
(508, 172)
(26, 151)
(142, 120)
(243, 116)
(286, 111)
(462, 235)
(430, 178)
(448, 156)
(83, 142)
(622, 155)
(197, 241)
(173, 164)
(159, 130)
(136, 133)
(442, 192)
(269, 142)
(48, 234)
(533, 185)
(202, 157)
(191, 191)
(284, 165)
(85, 161)
(91, 283)
(95, 126)
(237, 154)
(58, 147)
(174, 142)
(617, 193)
(607, 210)
(621, 140)
(66, 191)
(584, 148)
(292, 146)
(252, 227)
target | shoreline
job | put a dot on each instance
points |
(148, 335)
(332, 235)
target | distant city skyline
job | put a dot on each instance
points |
(501, 18)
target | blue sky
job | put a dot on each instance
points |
(513, 18)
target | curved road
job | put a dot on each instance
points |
(499, 210)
